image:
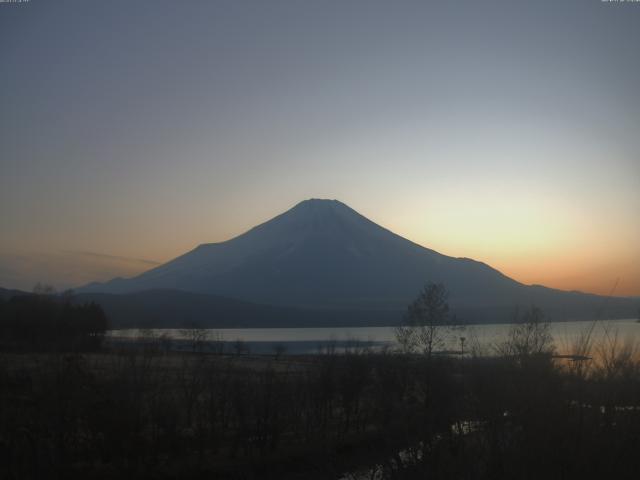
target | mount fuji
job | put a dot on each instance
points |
(321, 254)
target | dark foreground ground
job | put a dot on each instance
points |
(147, 413)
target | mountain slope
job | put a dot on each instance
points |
(321, 253)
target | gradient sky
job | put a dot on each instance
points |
(505, 131)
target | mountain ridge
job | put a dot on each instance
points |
(323, 254)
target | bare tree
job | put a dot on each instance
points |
(217, 343)
(165, 342)
(530, 337)
(279, 350)
(240, 347)
(196, 336)
(44, 289)
(426, 321)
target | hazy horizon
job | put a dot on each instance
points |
(506, 132)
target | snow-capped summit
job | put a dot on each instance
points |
(322, 253)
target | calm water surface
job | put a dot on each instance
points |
(310, 340)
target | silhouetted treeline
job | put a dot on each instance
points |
(145, 413)
(49, 322)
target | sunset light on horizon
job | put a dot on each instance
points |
(522, 154)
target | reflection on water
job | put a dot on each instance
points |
(481, 338)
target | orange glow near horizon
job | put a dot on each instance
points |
(532, 240)
(521, 239)
(512, 139)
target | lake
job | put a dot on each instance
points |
(313, 340)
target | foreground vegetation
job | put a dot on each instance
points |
(71, 408)
(46, 322)
(147, 413)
